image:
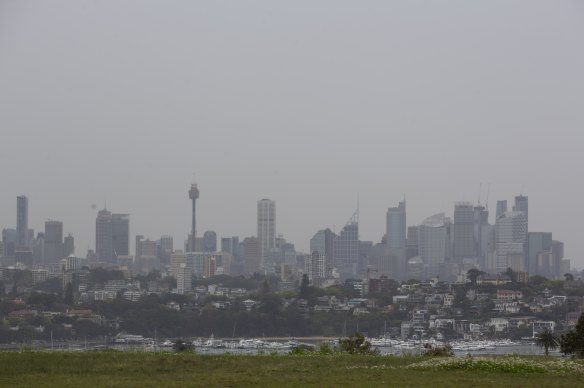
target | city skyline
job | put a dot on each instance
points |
(311, 105)
(519, 209)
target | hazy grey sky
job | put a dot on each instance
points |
(309, 103)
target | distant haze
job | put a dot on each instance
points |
(309, 103)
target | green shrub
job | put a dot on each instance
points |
(438, 351)
(356, 344)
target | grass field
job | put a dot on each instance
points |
(125, 369)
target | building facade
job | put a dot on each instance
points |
(266, 228)
(54, 249)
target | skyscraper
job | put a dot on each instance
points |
(412, 242)
(193, 195)
(251, 255)
(433, 240)
(227, 245)
(112, 236)
(165, 249)
(510, 240)
(522, 205)
(22, 233)
(210, 241)
(322, 242)
(9, 242)
(501, 208)
(346, 248)
(54, 249)
(396, 239)
(121, 234)
(69, 245)
(537, 243)
(463, 231)
(103, 236)
(266, 222)
(482, 235)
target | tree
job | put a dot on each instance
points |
(355, 344)
(69, 295)
(181, 346)
(573, 341)
(569, 277)
(512, 275)
(473, 274)
(547, 340)
(304, 291)
(265, 287)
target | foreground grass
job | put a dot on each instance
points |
(124, 369)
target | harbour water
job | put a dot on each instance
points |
(281, 346)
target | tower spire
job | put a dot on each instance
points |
(193, 195)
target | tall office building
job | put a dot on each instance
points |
(501, 208)
(433, 241)
(37, 245)
(522, 205)
(346, 248)
(483, 235)
(103, 236)
(193, 195)
(315, 267)
(231, 245)
(558, 258)
(266, 223)
(396, 239)
(251, 255)
(177, 258)
(227, 245)
(464, 232)
(183, 279)
(537, 243)
(510, 241)
(165, 249)
(322, 242)
(146, 248)
(396, 226)
(68, 245)
(112, 236)
(412, 242)
(121, 234)
(210, 241)
(9, 242)
(22, 232)
(54, 249)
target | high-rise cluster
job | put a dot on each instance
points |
(438, 246)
